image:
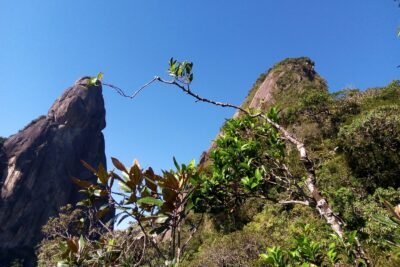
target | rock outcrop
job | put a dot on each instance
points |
(283, 86)
(36, 166)
(286, 80)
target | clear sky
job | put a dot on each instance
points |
(46, 45)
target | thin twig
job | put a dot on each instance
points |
(122, 93)
(142, 229)
(141, 256)
(192, 232)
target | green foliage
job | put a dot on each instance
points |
(343, 201)
(308, 252)
(298, 86)
(274, 226)
(61, 243)
(158, 205)
(245, 155)
(95, 81)
(372, 143)
(274, 257)
(351, 136)
(181, 71)
(371, 207)
(234, 249)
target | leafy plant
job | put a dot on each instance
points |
(371, 144)
(246, 160)
(157, 204)
(95, 81)
(308, 252)
(182, 71)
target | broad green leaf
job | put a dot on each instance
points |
(192, 164)
(84, 203)
(150, 201)
(100, 193)
(100, 76)
(124, 187)
(245, 180)
(82, 244)
(258, 175)
(92, 81)
(161, 219)
(110, 245)
(176, 164)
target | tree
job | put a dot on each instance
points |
(182, 76)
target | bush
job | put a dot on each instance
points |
(245, 159)
(371, 144)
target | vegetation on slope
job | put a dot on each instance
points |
(241, 198)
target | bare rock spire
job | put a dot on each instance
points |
(36, 166)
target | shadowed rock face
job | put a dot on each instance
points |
(36, 166)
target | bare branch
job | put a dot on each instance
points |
(146, 236)
(198, 97)
(122, 93)
(307, 203)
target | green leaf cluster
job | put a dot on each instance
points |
(181, 71)
(242, 159)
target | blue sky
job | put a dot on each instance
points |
(46, 45)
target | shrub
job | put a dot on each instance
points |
(371, 144)
(245, 161)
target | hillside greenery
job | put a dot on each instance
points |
(234, 210)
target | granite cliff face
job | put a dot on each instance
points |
(290, 78)
(36, 166)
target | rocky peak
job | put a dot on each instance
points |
(282, 85)
(288, 78)
(36, 166)
(80, 107)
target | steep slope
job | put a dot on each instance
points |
(284, 83)
(284, 86)
(36, 166)
(352, 137)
